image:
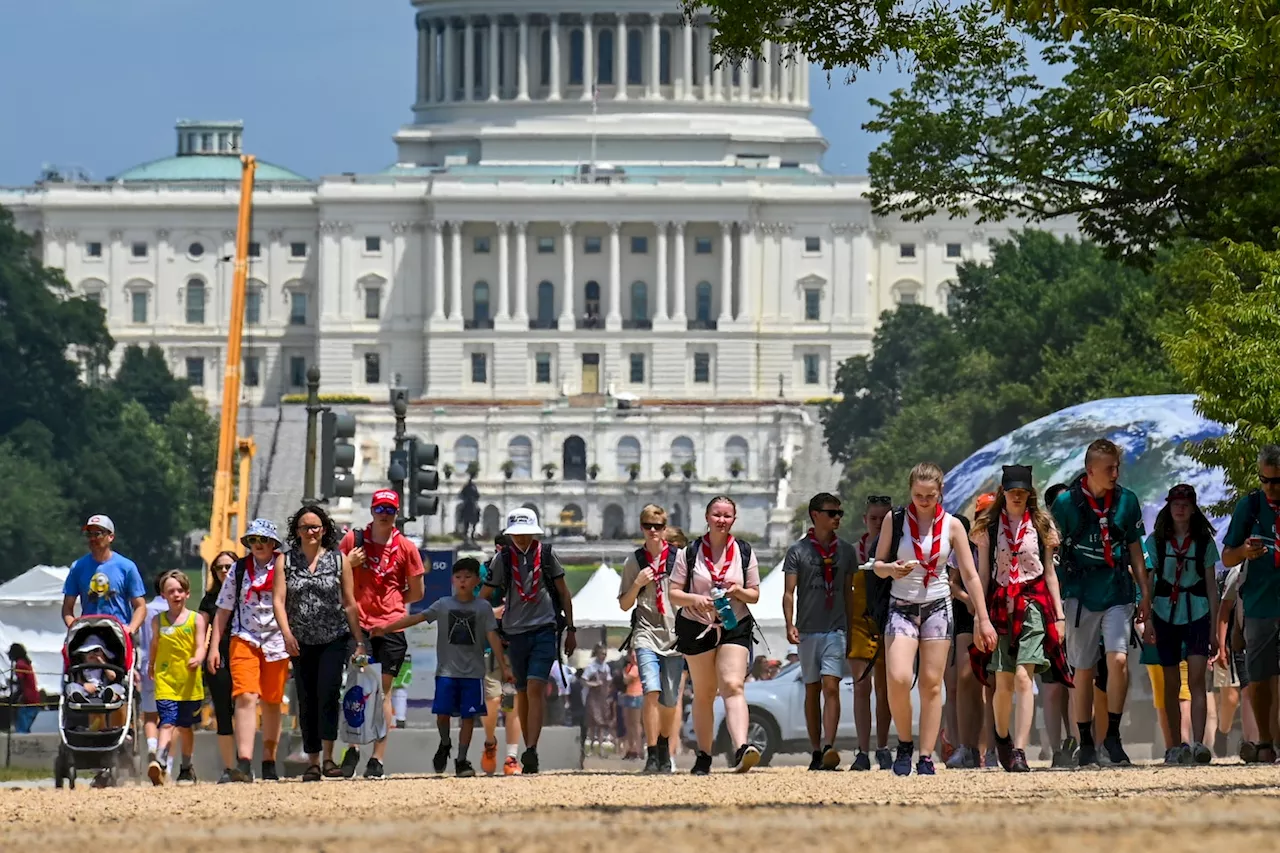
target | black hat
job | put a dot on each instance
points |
(1016, 477)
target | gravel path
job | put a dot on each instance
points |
(1140, 809)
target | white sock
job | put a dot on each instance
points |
(151, 744)
(512, 749)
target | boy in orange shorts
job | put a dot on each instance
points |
(259, 663)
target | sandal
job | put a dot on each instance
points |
(331, 769)
(312, 774)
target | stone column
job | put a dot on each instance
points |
(718, 76)
(567, 316)
(554, 44)
(704, 48)
(588, 59)
(745, 246)
(495, 47)
(422, 61)
(679, 316)
(655, 55)
(450, 63)
(613, 318)
(522, 272)
(504, 272)
(469, 61)
(455, 273)
(433, 64)
(660, 310)
(766, 72)
(784, 74)
(726, 274)
(744, 80)
(803, 62)
(686, 70)
(620, 58)
(437, 272)
(523, 48)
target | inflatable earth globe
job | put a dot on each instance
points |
(1152, 432)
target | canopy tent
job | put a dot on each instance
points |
(596, 604)
(768, 611)
(31, 614)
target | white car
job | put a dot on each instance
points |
(777, 722)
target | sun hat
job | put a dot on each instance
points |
(261, 527)
(522, 522)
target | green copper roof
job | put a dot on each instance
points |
(204, 167)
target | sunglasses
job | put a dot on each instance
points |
(879, 500)
(257, 540)
(384, 509)
(226, 567)
(653, 525)
(98, 534)
(832, 513)
(1269, 481)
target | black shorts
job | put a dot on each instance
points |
(693, 638)
(389, 650)
(961, 618)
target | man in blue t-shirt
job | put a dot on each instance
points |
(1252, 536)
(103, 581)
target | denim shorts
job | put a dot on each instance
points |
(531, 655)
(822, 656)
(661, 674)
(180, 713)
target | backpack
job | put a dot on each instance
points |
(1163, 587)
(878, 588)
(1084, 514)
(641, 556)
(691, 554)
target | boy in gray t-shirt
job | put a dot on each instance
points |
(465, 622)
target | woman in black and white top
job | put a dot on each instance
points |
(315, 604)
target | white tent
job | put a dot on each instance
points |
(768, 611)
(31, 614)
(596, 604)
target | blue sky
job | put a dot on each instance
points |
(321, 86)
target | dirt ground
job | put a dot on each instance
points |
(1138, 809)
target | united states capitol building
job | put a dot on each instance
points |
(598, 295)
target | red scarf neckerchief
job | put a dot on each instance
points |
(530, 594)
(930, 566)
(1275, 529)
(1007, 608)
(659, 569)
(261, 585)
(718, 578)
(1180, 558)
(1102, 514)
(862, 548)
(828, 557)
(384, 564)
(1015, 542)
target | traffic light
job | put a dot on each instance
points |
(337, 455)
(422, 480)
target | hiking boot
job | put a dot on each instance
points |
(815, 763)
(959, 759)
(463, 769)
(1200, 754)
(651, 763)
(1004, 751)
(701, 765)
(747, 756)
(1087, 756)
(1018, 762)
(373, 769)
(350, 759)
(269, 773)
(862, 762)
(489, 759)
(924, 767)
(243, 771)
(666, 764)
(186, 776)
(441, 759)
(529, 761)
(225, 778)
(884, 758)
(155, 772)
(510, 766)
(902, 764)
(1248, 752)
(1115, 752)
(830, 758)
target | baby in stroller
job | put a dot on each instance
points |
(93, 681)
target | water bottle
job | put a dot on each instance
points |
(724, 607)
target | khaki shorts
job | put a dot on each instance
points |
(492, 686)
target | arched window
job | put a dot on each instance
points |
(466, 451)
(592, 301)
(195, 301)
(639, 302)
(546, 304)
(604, 57)
(664, 57)
(575, 58)
(628, 454)
(480, 303)
(544, 58)
(574, 462)
(520, 452)
(635, 57)
(736, 454)
(682, 450)
(702, 302)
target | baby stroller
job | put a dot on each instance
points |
(90, 739)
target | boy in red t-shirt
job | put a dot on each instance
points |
(388, 574)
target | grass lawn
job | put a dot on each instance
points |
(22, 774)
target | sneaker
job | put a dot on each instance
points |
(830, 758)
(945, 748)
(902, 764)
(186, 776)
(1115, 752)
(666, 764)
(924, 767)
(651, 763)
(1069, 747)
(701, 765)
(1087, 756)
(1173, 755)
(1186, 756)
(971, 759)
(884, 758)
(441, 759)
(463, 769)
(155, 772)
(1248, 752)
(747, 756)
(77, 695)
(1004, 751)
(243, 771)
(1220, 746)
(991, 759)
(1266, 754)
(511, 766)
(815, 763)
(373, 769)
(671, 764)
(958, 759)
(489, 760)
(269, 773)
(862, 762)
(1200, 754)
(529, 761)
(350, 759)
(225, 778)
(1018, 762)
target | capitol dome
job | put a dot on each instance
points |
(207, 151)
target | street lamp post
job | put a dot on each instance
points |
(313, 411)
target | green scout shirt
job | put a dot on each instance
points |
(1097, 585)
(1261, 589)
(1189, 607)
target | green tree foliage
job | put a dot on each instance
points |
(1048, 324)
(139, 448)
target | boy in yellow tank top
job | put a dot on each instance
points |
(178, 647)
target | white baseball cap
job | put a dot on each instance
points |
(522, 522)
(102, 521)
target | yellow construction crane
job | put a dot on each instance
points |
(231, 500)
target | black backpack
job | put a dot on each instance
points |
(878, 588)
(641, 556)
(1085, 514)
(691, 554)
(509, 559)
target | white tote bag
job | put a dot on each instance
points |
(362, 717)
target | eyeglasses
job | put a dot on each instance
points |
(257, 540)
(879, 500)
(384, 509)
(226, 567)
(1269, 481)
(653, 525)
(311, 528)
(832, 513)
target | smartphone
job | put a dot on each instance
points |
(1254, 542)
(912, 564)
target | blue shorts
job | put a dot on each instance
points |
(822, 656)
(180, 713)
(531, 655)
(458, 697)
(661, 674)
